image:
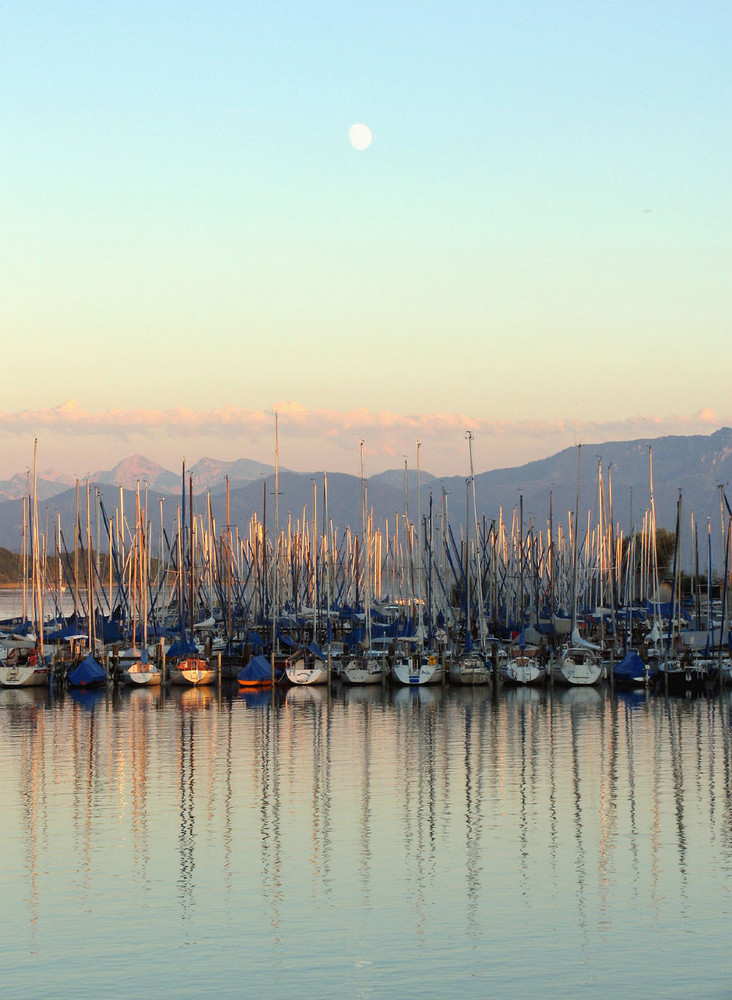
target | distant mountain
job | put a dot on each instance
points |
(138, 469)
(211, 474)
(695, 465)
(395, 478)
(48, 484)
(208, 474)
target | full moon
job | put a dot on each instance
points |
(360, 136)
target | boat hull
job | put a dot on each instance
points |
(307, 675)
(469, 669)
(362, 671)
(524, 670)
(418, 671)
(24, 675)
(143, 678)
(578, 668)
(194, 671)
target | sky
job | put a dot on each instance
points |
(536, 246)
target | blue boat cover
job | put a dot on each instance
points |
(630, 669)
(87, 673)
(259, 668)
(183, 647)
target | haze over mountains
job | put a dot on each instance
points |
(695, 465)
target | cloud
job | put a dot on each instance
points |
(69, 417)
(313, 435)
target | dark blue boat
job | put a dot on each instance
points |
(88, 673)
(631, 670)
(257, 673)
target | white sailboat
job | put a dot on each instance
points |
(25, 664)
(579, 662)
(307, 666)
(414, 664)
(523, 666)
(472, 665)
(141, 671)
(191, 669)
(365, 666)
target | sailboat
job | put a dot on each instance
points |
(188, 668)
(524, 664)
(25, 664)
(23, 668)
(472, 666)
(677, 669)
(142, 672)
(365, 667)
(579, 661)
(309, 665)
(88, 672)
(414, 663)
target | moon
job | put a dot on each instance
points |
(360, 136)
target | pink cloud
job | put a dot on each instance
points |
(325, 438)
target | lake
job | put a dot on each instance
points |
(366, 843)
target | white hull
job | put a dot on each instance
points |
(417, 670)
(23, 675)
(578, 667)
(363, 671)
(469, 669)
(524, 670)
(151, 677)
(307, 675)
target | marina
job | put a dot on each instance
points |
(365, 841)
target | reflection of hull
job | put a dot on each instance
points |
(13, 697)
(192, 671)
(354, 694)
(24, 675)
(88, 698)
(471, 694)
(306, 694)
(581, 697)
(191, 699)
(526, 694)
(256, 697)
(423, 695)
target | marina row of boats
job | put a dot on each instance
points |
(408, 603)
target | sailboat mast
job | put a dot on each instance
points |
(38, 592)
(574, 547)
(275, 548)
(192, 553)
(89, 580)
(419, 550)
(367, 556)
(478, 572)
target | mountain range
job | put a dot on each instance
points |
(697, 467)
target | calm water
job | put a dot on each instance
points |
(380, 844)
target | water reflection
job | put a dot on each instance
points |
(420, 812)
